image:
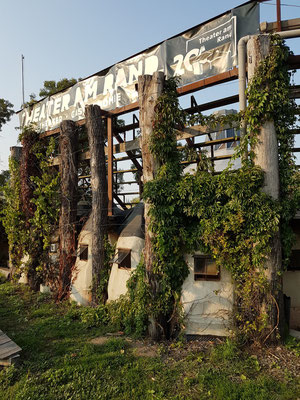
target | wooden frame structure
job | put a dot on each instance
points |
(116, 134)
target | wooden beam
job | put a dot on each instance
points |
(132, 145)
(225, 101)
(204, 83)
(129, 153)
(119, 201)
(287, 25)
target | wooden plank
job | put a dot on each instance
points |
(8, 349)
(4, 339)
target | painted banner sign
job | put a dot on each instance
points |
(203, 51)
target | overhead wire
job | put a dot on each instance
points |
(282, 4)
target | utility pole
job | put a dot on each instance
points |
(278, 15)
(23, 95)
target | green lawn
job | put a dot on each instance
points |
(59, 362)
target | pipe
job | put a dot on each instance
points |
(242, 52)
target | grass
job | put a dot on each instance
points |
(59, 362)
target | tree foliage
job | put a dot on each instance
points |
(52, 87)
(4, 177)
(6, 111)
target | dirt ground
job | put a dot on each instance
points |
(276, 360)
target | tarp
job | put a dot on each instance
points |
(203, 51)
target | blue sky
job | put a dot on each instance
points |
(76, 38)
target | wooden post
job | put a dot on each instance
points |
(67, 222)
(95, 130)
(266, 156)
(149, 88)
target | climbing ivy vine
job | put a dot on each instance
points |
(268, 97)
(31, 208)
(225, 215)
(12, 216)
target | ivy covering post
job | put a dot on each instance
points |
(266, 157)
(227, 216)
(68, 215)
(149, 88)
(271, 110)
(15, 250)
(29, 167)
(95, 129)
(30, 209)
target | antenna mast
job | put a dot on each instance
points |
(23, 96)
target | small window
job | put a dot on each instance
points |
(84, 252)
(123, 258)
(294, 264)
(205, 268)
